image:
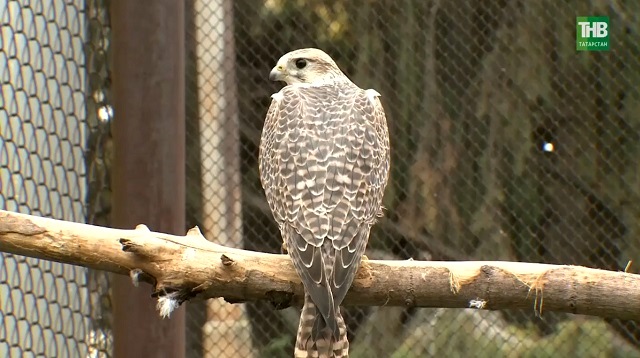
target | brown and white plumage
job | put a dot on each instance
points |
(324, 164)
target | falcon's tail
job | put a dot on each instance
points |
(315, 339)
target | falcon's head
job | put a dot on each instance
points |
(307, 65)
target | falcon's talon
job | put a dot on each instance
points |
(324, 165)
(365, 268)
(283, 248)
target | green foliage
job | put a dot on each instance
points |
(459, 334)
(278, 347)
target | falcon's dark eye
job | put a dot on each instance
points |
(301, 63)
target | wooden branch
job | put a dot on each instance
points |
(183, 267)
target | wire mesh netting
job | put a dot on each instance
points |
(507, 144)
(44, 129)
(42, 173)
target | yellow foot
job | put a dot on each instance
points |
(365, 268)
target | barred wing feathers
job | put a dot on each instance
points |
(324, 164)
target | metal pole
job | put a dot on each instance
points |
(149, 161)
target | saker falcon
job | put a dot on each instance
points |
(324, 165)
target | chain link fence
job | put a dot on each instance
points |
(43, 133)
(508, 144)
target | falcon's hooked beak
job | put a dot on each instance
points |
(278, 73)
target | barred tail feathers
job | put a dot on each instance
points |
(316, 339)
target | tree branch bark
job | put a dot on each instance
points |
(183, 267)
